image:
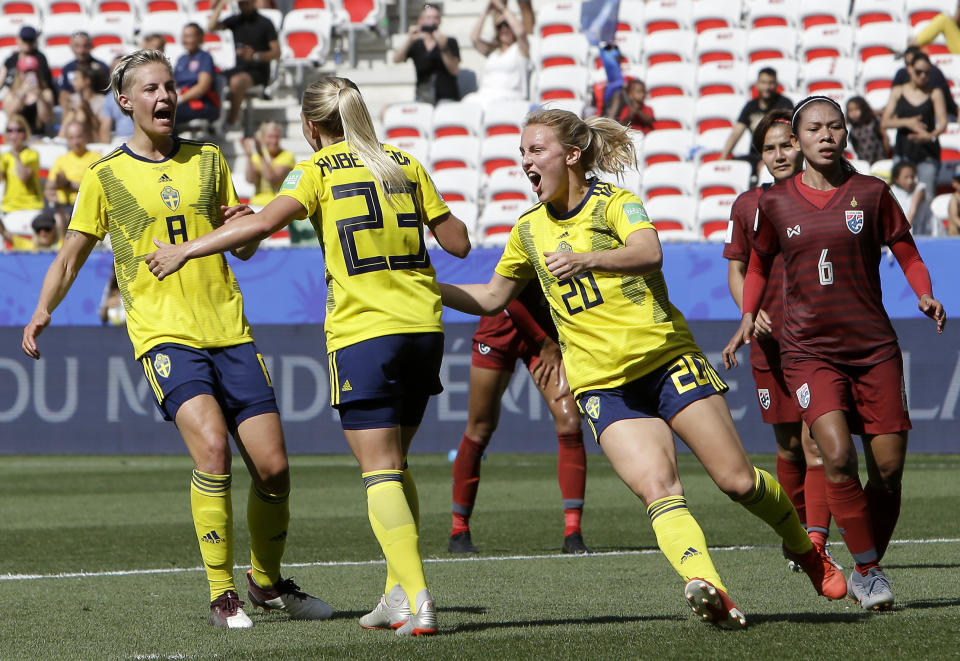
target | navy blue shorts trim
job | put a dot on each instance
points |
(662, 393)
(385, 381)
(236, 376)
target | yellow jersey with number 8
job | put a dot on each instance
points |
(176, 199)
(613, 328)
(379, 277)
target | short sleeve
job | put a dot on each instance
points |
(625, 214)
(744, 117)
(30, 159)
(431, 202)
(453, 47)
(286, 159)
(269, 29)
(514, 263)
(301, 186)
(228, 194)
(893, 222)
(206, 63)
(55, 169)
(90, 208)
(765, 239)
(738, 245)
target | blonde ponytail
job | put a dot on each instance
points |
(604, 144)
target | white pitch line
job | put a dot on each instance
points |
(362, 563)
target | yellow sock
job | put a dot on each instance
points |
(395, 529)
(267, 517)
(213, 521)
(413, 501)
(770, 503)
(680, 538)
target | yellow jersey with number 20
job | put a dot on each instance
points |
(379, 278)
(613, 328)
(176, 199)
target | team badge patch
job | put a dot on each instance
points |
(592, 407)
(483, 348)
(854, 220)
(635, 213)
(803, 396)
(161, 363)
(764, 396)
(170, 197)
(292, 180)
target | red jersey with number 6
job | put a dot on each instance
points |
(832, 301)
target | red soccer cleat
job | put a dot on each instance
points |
(825, 574)
(714, 605)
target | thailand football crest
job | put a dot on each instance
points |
(803, 396)
(764, 396)
(483, 348)
(161, 363)
(592, 407)
(854, 220)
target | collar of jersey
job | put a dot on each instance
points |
(577, 209)
(173, 152)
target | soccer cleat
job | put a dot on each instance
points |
(424, 622)
(461, 543)
(872, 591)
(391, 612)
(227, 611)
(713, 604)
(573, 543)
(823, 572)
(286, 596)
(791, 565)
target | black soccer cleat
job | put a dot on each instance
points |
(461, 543)
(573, 543)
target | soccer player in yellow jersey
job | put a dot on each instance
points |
(369, 203)
(631, 361)
(189, 333)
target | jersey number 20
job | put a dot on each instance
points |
(589, 298)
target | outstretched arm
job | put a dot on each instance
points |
(485, 300)
(905, 250)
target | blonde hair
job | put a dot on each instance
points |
(604, 144)
(22, 122)
(121, 76)
(268, 126)
(337, 108)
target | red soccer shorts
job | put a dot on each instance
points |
(777, 403)
(503, 357)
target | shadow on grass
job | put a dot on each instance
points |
(807, 618)
(922, 565)
(603, 619)
(942, 602)
(352, 615)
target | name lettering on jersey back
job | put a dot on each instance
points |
(339, 161)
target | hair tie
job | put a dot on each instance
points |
(781, 120)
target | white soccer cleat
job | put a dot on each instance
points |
(226, 611)
(391, 612)
(873, 591)
(424, 621)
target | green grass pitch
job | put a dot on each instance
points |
(98, 560)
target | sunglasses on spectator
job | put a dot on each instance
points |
(15, 129)
(921, 72)
(502, 24)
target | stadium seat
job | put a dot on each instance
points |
(459, 118)
(672, 112)
(630, 179)
(576, 106)
(354, 17)
(457, 184)
(221, 48)
(18, 13)
(55, 7)
(882, 168)
(507, 184)
(716, 15)
(940, 209)
(419, 148)
(674, 178)
(630, 16)
(468, 212)
(631, 47)
(669, 46)
(58, 57)
(168, 24)
(812, 13)
(99, 7)
(722, 77)
(671, 78)
(107, 53)
(499, 151)
(459, 151)
(667, 15)
(673, 216)
(722, 44)
(713, 217)
(829, 73)
(788, 73)
(558, 18)
(717, 111)
(666, 145)
(564, 49)
(772, 13)
(860, 165)
(880, 39)
(113, 28)
(57, 29)
(876, 79)
(921, 11)
(408, 119)
(158, 6)
(710, 144)
(305, 39)
(949, 147)
(729, 177)
(504, 117)
(497, 219)
(561, 83)
(865, 12)
(772, 42)
(826, 40)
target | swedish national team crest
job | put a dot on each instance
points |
(161, 363)
(170, 197)
(764, 396)
(854, 220)
(592, 407)
(803, 396)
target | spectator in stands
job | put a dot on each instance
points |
(267, 163)
(194, 73)
(111, 311)
(919, 113)
(81, 44)
(45, 236)
(435, 56)
(948, 26)
(84, 105)
(628, 107)
(937, 79)
(909, 192)
(753, 111)
(114, 123)
(508, 55)
(19, 167)
(63, 181)
(26, 45)
(30, 96)
(953, 209)
(868, 139)
(153, 41)
(257, 45)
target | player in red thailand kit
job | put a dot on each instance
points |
(839, 350)
(525, 331)
(799, 466)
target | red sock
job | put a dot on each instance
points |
(848, 504)
(572, 475)
(790, 475)
(884, 511)
(817, 510)
(466, 481)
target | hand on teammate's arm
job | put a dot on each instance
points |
(642, 254)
